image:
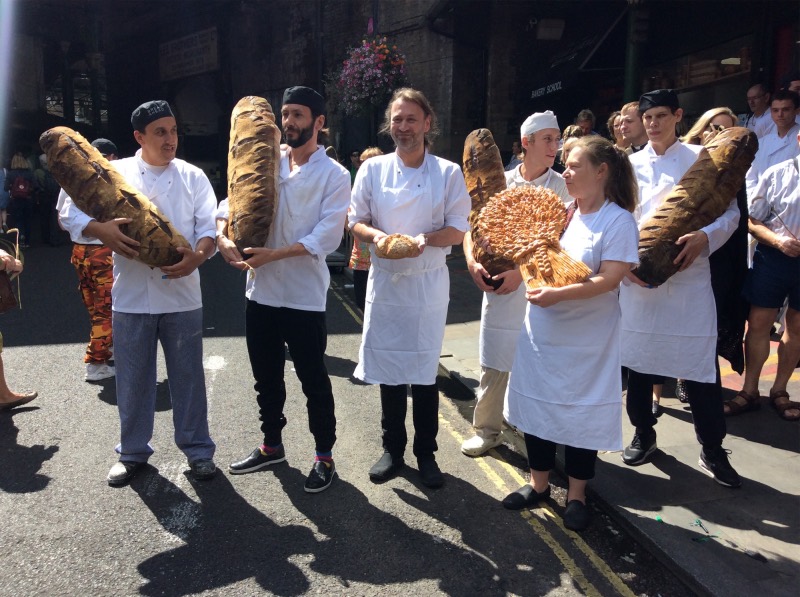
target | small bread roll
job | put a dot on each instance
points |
(397, 246)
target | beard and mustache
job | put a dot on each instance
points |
(302, 138)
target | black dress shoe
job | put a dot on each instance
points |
(577, 515)
(256, 461)
(429, 474)
(386, 467)
(524, 497)
(320, 477)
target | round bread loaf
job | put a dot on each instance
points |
(397, 246)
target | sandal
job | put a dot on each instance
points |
(735, 407)
(784, 406)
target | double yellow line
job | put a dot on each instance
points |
(570, 565)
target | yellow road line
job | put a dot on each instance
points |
(570, 566)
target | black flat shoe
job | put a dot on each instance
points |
(577, 516)
(386, 467)
(429, 474)
(524, 497)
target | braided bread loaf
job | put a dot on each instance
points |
(702, 195)
(524, 225)
(101, 192)
(254, 158)
(484, 175)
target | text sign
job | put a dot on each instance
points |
(547, 89)
(189, 55)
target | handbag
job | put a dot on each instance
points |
(7, 299)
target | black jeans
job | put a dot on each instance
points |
(425, 404)
(578, 462)
(360, 277)
(705, 399)
(306, 335)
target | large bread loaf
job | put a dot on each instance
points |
(103, 193)
(396, 246)
(702, 195)
(485, 176)
(254, 158)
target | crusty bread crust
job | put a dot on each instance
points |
(397, 246)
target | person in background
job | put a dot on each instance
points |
(613, 125)
(570, 391)
(586, 120)
(94, 265)
(759, 120)
(516, 156)
(503, 308)
(355, 164)
(9, 399)
(359, 257)
(570, 134)
(414, 193)
(47, 191)
(631, 128)
(20, 185)
(791, 82)
(5, 199)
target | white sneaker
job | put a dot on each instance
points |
(477, 445)
(97, 372)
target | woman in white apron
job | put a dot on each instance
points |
(565, 386)
(414, 193)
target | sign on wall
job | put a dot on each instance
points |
(189, 55)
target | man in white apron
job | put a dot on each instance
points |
(503, 309)
(152, 305)
(287, 288)
(672, 330)
(414, 193)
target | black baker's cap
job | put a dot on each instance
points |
(659, 97)
(105, 147)
(305, 96)
(149, 112)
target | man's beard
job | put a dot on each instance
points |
(302, 139)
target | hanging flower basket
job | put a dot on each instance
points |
(369, 75)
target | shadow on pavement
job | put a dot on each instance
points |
(19, 465)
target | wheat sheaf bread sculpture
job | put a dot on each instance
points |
(98, 190)
(254, 158)
(485, 176)
(702, 195)
(524, 225)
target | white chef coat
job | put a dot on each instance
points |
(672, 330)
(68, 214)
(182, 193)
(778, 193)
(761, 125)
(502, 314)
(311, 211)
(406, 303)
(565, 385)
(772, 150)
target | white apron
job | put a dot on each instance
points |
(565, 386)
(406, 303)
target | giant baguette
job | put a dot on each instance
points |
(702, 195)
(101, 192)
(253, 172)
(485, 176)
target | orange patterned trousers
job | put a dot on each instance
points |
(95, 278)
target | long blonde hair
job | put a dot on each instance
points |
(695, 134)
(18, 162)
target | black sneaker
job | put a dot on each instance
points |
(320, 477)
(577, 516)
(386, 468)
(642, 446)
(714, 461)
(429, 474)
(256, 461)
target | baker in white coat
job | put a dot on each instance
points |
(503, 309)
(414, 193)
(672, 330)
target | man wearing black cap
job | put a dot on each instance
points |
(93, 263)
(672, 330)
(159, 305)
(288, 284)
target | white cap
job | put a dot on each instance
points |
(537, 122)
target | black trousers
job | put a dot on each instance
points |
(306, 335)
(705, 399)
(425, 404)
(578, 462)
(360, 277)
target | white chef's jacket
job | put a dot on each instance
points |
(406, 303)
(311, 211)
(182, 193)
(761, 125)
(502, 314)
(772, 150)
(67, 214)
(672, 330)
(778, 193)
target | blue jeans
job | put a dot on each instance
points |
(136, 338)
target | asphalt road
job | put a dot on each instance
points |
(66, 532)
